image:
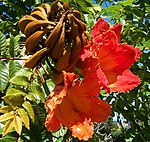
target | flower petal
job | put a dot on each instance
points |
(100, 26)
(117, 29)
(97, 110)
(67, 113)
(55, 98)
(89, 98)
(106, 37)
(125, 82)
(76, 105)
(116, 58)
(138, 53)
(84, 130)
(52, 124)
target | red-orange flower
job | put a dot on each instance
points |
(109, 59)
(76, 105)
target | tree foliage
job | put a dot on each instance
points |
(23, 91)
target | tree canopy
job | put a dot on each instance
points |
(24, 91)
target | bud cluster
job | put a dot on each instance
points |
(55, 31)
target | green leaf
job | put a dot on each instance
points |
(65, 1)
(3, 44)
(25, 72)
(103, 93)
(36, 89)
(13, 46)
(83, 6)
(24, 117)
(27, 105)
(50, 84)
(7, 116)
(37, 1)
(126, 3)
(8, 139)
(112, 11)
(14, 91)
(4, 76)
(14, 66)
(19, 80)
(60, 132)
(17, 124)
(8, 127)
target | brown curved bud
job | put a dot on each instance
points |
(57, 77)
(84, 39)
(76, 47)
(57, 50)
(34, 25)
(81, 25)
(52, 38)
(76, 13)
(66, 6)
(34, 60)
(33, 40)
(63, 61)
(41, 9)
(39, 15)
(47, 8)
(24, 21)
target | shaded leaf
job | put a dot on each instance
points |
(3, 76)
(13, 46)
(8, 126)
(3, 44)
(14, 66)
(36, 89)
(7, 116)
(40, 113)
(18, 124)
(8, 139)
(27, 105)
(24, 117)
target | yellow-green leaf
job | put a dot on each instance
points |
(24, 117)
(5, 109)
(7, 116)
(17, 124)
(8, 126)
(15, 91)
(31, 97)
(14, 99)
(27, 105)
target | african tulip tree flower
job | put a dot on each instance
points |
(76, 105)
(109, 59)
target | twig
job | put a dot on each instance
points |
(3, 59)
(46, 71)
(43, 83)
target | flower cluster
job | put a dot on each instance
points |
(105, 64)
